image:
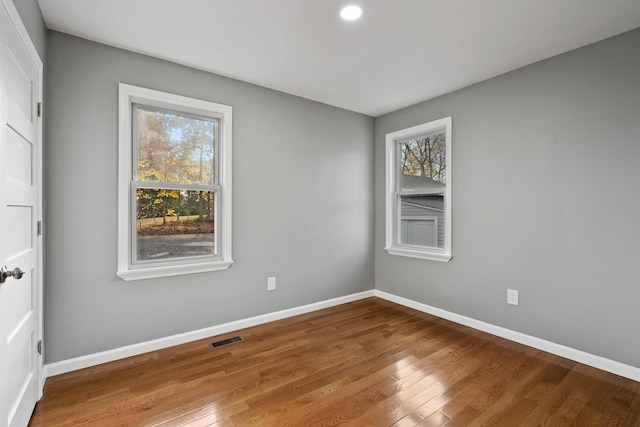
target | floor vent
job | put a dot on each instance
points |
(226, 342)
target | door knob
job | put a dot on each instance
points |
(5, 273)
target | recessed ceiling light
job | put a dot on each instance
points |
(351, 13)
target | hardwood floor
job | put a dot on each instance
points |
(366, 363)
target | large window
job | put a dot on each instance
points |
(418, 191)
(175, 185)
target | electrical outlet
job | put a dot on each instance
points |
(271, 283)
(512, 297)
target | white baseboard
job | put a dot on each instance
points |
(89, 360)
(599, 362)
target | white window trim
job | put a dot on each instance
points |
(392, 205)
(129, 95)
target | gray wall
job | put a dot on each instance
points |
(302, 204)
(546, 200)
(31, 16)
(545, 195)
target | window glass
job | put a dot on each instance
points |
(421, 158)
(423, 168)
(174, 224)
(173, 221)
(174, 148)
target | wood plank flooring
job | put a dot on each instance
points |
(366, 363)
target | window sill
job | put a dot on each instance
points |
(172, 270)
(421, 254)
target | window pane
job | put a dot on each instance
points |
(174, 149)
(174, 224)
(424, 171)
(422, 220)
(419, 232)
(423, 162)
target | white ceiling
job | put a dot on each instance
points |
(401, 52)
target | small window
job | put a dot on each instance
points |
(418, 191)
(175, 185)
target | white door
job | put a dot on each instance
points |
(20, 297)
